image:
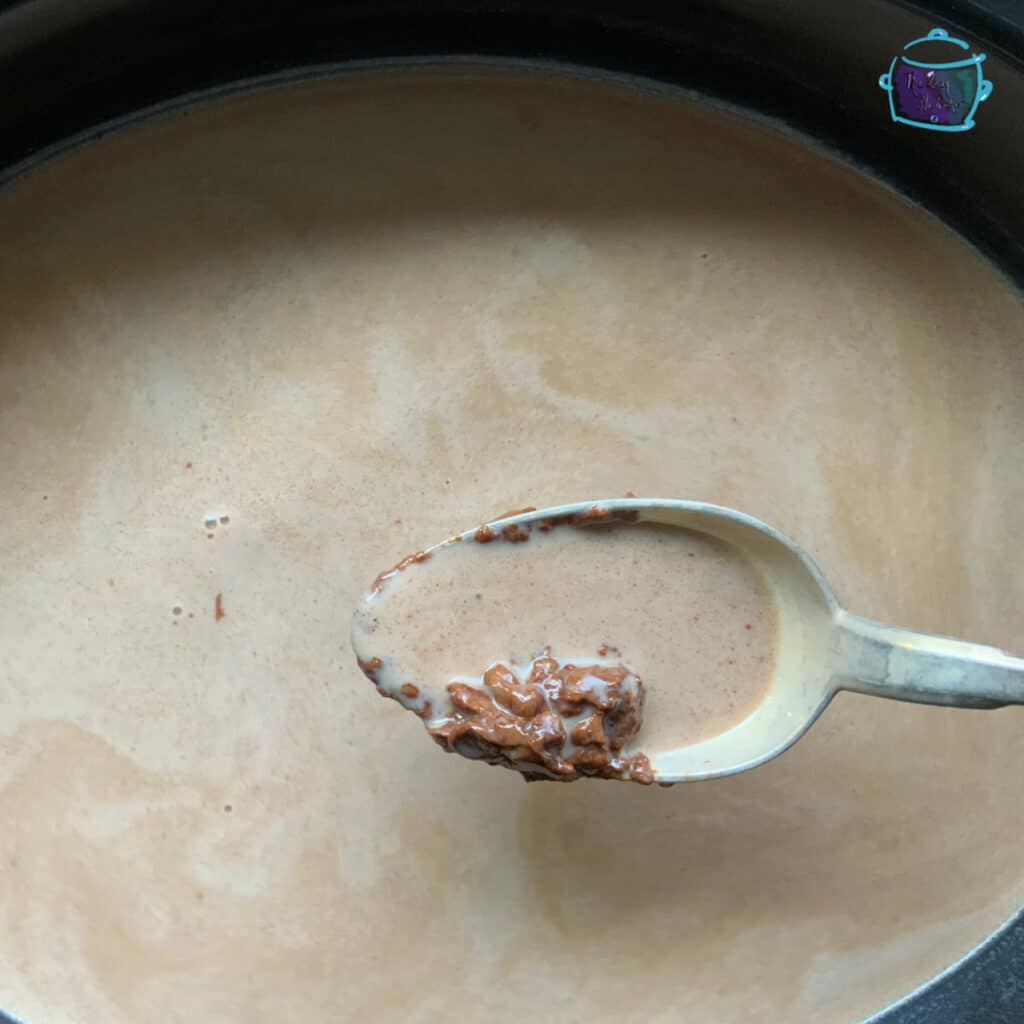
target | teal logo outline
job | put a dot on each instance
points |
(935, 77)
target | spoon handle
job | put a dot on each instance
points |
(889, 662)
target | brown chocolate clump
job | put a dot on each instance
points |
(515, 512)
(556, 721)
(371, 668)
(382, 578)
(517, 533)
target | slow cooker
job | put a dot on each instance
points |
(869, 82)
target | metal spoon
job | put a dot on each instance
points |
(820, 650)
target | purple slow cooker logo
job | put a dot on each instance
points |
(939, 95)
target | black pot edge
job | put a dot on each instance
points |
(77, 63)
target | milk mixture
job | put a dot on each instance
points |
(250, 356)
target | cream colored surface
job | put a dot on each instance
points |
(363, 313)
(687, 613)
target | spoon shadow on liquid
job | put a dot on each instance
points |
(755, 847)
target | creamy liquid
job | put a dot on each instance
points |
(685, 612)
(351, 315)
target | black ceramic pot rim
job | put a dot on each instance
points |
(813, 65)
